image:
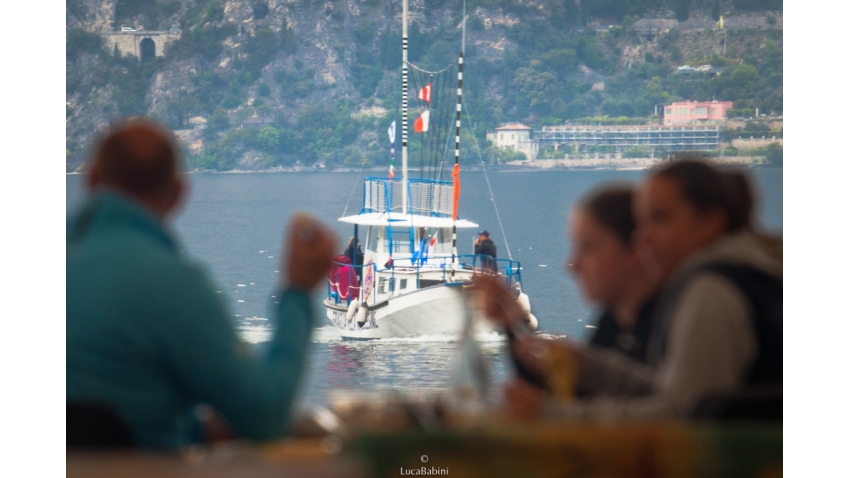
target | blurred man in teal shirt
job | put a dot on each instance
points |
(147, 336)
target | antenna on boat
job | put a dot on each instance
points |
(463, 35)
(404, 107)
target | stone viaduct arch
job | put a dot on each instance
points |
(141, 44)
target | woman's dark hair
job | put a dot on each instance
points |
(611, 206)
(707, 188)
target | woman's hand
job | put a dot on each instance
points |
(497, 302)
(523, 401)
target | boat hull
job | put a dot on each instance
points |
(436, 310)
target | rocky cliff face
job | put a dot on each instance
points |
(328, 39)
(249, 64)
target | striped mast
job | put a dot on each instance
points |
(456, 169)
(404, 107)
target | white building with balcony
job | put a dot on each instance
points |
(515, 136)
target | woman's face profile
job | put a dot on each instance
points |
(670, 226)
(597, 259)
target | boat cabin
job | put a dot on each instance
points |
(404, 251)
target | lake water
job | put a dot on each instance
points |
(233, 224)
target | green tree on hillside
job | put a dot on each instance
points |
(682, 10)
(79, 41)
(268, 139)
(536, 87)
(584, 12)
(770, 20)
(561, 60)
(774, 154)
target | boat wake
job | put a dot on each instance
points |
(260, 331)
(256, 332)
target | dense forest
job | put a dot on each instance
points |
(255, 93)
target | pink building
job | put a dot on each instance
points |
(696, 113)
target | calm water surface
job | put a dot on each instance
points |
(233, 224)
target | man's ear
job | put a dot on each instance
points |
(176, 194)
(716, 222)
(93, 178)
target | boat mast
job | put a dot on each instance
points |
(456, 169)
(404, 107)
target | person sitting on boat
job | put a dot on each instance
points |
(715, 345)
(147, 336)
(485, 246)
(344, 279)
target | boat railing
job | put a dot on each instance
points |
(424, 196)
(510, 269)
(346, 281)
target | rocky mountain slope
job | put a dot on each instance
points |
(271, 83)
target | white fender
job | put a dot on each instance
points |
(361, 315)
(532, 321)
(524, 302)
(352, 309)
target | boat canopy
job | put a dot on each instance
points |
(397, 219)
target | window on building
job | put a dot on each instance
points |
(669, 111)
(501, 136)
(701, 110)
(713, 111)
(713, 121)
(512, 136)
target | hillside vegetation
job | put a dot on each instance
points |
(260, 84)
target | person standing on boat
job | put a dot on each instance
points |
(485, 246)
(147, 336)
(355, 255)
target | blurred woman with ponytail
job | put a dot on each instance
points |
(714, 348)
(717, 330)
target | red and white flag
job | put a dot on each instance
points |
(425, 93)
(392, 171)
(421, 123)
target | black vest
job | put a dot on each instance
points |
(764, 294)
